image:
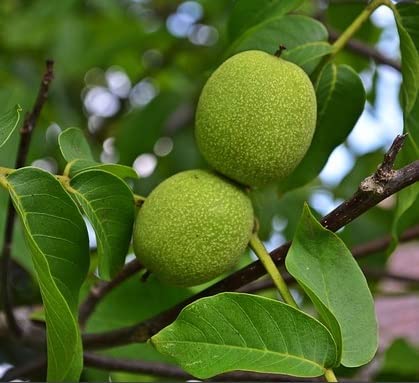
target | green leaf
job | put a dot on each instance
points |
(141, 128)
(109, 205)
(340, 15)
(20, 253)
(8, 123)
(340, 102)
(308, 55)
(133, 302)
(247, 13)
(409, 18)
(400, 363)
(324, 267)
(232, 331)
(73, 145)
(278, 214)
(410, 64)
(121, 171)
(57, 237)
(407, 199)
(290, 30)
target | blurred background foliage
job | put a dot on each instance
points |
(129, 72)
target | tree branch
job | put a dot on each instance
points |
(36, 334)
(28, 370)
(22, 315)
(173, 372)
(25, 139)
(382, 243)
(372, 190)
(136, 366)
(378, 274)
(371, 274)
(99, 291)
(362, 49)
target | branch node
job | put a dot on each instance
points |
(385, 170)
(101, 289)
(371, 185)
(377, 182)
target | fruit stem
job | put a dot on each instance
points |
(139, 200)
(279, 51)
(260, 250)
(330, 376)
(258, 247)
(6, 171)
(356, 25)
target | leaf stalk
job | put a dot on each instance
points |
(330, 376)
(343, 39)
(349, 32)
(258, 247)
(6, 171)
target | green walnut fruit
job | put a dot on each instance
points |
(193, 227)
(256, 118)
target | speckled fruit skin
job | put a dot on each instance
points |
(193, 227)
(256, 118)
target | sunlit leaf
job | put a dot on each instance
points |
(324, 267)
(232, 331)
